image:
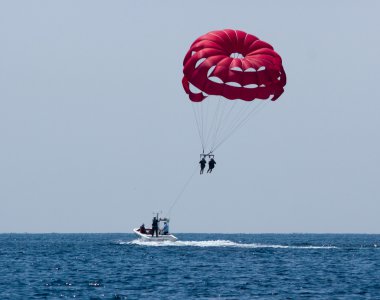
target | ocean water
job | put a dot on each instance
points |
(198, 266)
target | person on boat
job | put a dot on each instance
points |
(203, 164)
(165, 229)
(155, 226)
(142, 229)
(211, 165)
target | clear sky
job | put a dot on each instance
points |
(96, 131)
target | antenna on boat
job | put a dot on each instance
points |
(157, 213)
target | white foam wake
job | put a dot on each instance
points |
(218, 243)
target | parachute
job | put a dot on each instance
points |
(235, 68)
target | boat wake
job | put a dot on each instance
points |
(219, 243)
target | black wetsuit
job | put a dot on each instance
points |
(203, 164)
(211, 165)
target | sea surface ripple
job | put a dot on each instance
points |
(198, 266)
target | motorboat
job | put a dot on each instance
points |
(145, 234)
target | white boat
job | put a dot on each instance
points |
(148, 236)
(146, 233)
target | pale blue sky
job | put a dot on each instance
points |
(96, 132)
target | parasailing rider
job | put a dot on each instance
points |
(211, 165)
(203, 164)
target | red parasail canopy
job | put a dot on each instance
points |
(232, 64)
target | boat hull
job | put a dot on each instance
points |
(149, 237)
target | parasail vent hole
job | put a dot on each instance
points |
(201, 60)
(236, 55)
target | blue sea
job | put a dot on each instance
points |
(198, 266)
